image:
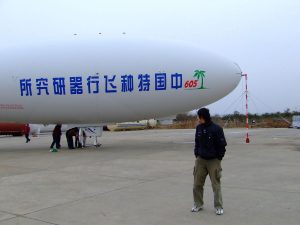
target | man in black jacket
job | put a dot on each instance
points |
(209, 150)
(56, 134)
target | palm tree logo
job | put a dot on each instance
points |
(200, 74)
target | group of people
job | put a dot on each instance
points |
(209, 151)
(71, 134)
(76, 138)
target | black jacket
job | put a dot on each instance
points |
(57, 131)
(210, 141)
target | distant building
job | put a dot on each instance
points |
(167, 120)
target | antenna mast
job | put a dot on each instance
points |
(247, 109)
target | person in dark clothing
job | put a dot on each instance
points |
(209, 150)
(27, 132)
(74, 132)
(56, 134)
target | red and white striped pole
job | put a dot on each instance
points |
(247, 109)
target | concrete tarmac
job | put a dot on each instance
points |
(145, 178)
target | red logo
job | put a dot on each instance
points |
(191, 84)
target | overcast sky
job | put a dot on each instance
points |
(262, 36)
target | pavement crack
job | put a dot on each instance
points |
(25, 217)
(84, 198)
(103, 193)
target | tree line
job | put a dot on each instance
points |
(237, 119)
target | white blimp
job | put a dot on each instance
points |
(109, 80)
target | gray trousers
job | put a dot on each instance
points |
(203, 168)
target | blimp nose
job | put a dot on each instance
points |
(230, 76)
(236, 73)
(237, 69)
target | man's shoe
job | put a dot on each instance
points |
(196, 209)
(53, 150)
(219, 212)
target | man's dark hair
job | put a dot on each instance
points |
(204, 113)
